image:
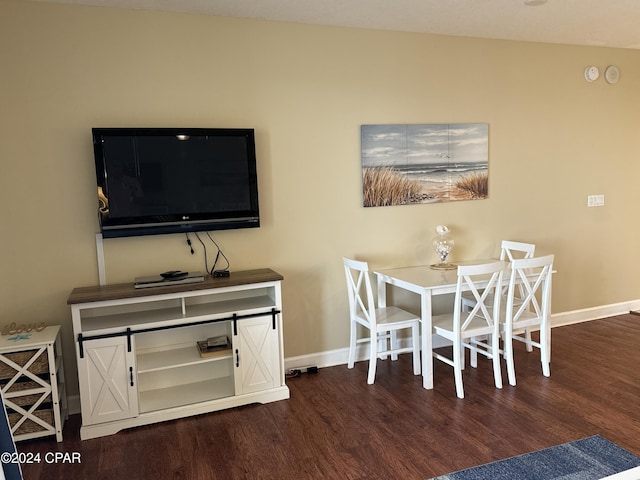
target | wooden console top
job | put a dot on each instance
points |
(127, 290)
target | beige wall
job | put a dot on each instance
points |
(554, 139)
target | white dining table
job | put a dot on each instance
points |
(426, 282)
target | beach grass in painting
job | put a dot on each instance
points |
(384, 186)
(409, 164)
(477, 184)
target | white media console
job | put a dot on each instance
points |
(138, 361)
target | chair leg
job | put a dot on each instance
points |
(508, 356)
(473, 354)
(383, 345)
(527, 334)
(545, 349)
(527, 331)
(352, 345)
(495, 357)
(415, 342)
(373, 358)
(394, 344)
(457, 367)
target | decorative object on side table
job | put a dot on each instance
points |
(14, 328)
(443, 244)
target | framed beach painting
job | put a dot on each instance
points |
(429, 163)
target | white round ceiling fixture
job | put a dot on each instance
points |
(612, 74)
(591, 74)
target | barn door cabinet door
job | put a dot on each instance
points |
(256, 355)
(108, 388)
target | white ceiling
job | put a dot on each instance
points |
(608, 23)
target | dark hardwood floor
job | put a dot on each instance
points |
(335, 426)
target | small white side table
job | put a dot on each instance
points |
(32, 383)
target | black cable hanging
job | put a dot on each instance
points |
(212, 271)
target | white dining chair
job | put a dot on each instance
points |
(465, 326)
(509, 251)
(382, 323)
(532, 276)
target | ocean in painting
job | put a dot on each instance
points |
(448, 172)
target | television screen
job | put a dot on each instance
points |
(168, 180)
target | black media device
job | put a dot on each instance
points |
(175, 180)
(174, 275)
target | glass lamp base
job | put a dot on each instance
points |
(443, 266)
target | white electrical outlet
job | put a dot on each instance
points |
(595, 200)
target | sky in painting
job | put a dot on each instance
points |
(389, 145)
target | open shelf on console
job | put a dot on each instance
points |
(181, 395)
(161, 312)
(179, 357)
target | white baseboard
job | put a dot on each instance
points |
(594, 313)
(340, 356)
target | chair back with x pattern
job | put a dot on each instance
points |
(362, 306)
(532, 309)
(487, 304)
(509, 249)
(530, 276)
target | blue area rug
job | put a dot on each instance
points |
(587, 459)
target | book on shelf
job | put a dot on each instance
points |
(217, 347)
(219, 341)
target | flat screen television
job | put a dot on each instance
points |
(175, 180)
